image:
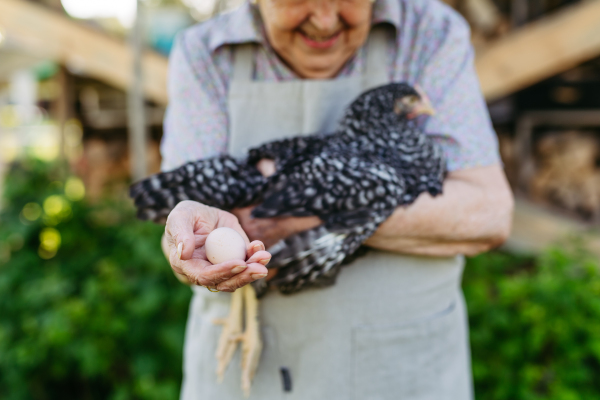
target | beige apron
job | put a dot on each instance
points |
(392, 327)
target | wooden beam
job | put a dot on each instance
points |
(138, 127)
(48, 34)
(540, 50)
(522, 58)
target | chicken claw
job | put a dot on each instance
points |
(242, 300)
(251, 342)
(230, 335)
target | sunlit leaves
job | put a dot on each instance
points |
(31, 211)
(74, 189)
(535, 324)
(49, 243)
(103, 315)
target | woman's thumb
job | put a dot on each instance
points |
(180, 234)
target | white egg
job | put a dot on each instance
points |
(224, 244)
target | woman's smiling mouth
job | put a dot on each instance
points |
(320, 42)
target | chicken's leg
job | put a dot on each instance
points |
(251, 341)
(242, 300)
(230, 335)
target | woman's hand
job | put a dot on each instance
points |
(188, 226)
(272, 230)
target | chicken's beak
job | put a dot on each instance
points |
(424, 108)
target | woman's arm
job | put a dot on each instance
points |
(473, 215)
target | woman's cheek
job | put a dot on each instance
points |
(281, 29)
(357, 19)
(282, 18)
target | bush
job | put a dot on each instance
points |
(535, 325)
(89, 308)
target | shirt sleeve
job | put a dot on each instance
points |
(447, 75)
(196, 122)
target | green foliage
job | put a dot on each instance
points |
(89, 308)
(535, 325)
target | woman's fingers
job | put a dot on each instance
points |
(253, 272)
(188, 222)
(231, 274)
(175, 260)
(254, 247)
(256, 269)
(201, 272)
(262, 257)
(179, 231)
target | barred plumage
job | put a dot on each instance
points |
(352, 180)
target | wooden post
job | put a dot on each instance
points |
(138, 136)
(64, 107)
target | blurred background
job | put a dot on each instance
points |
(88, 306)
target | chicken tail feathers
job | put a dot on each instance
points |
(312, 258)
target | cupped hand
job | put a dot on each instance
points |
(188, 226)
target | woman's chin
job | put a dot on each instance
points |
(317, 74)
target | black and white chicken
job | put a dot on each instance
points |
(353, 179)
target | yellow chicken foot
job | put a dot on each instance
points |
(251, 341)
(230, 335)
(242, 300)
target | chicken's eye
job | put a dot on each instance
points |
(409, 100)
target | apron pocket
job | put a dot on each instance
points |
(408, 361)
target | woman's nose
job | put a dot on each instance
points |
(325, 16)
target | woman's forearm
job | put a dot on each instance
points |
(473, 215)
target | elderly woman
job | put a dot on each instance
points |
(394, 325)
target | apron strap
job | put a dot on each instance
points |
(243, 62)
(378, 46)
